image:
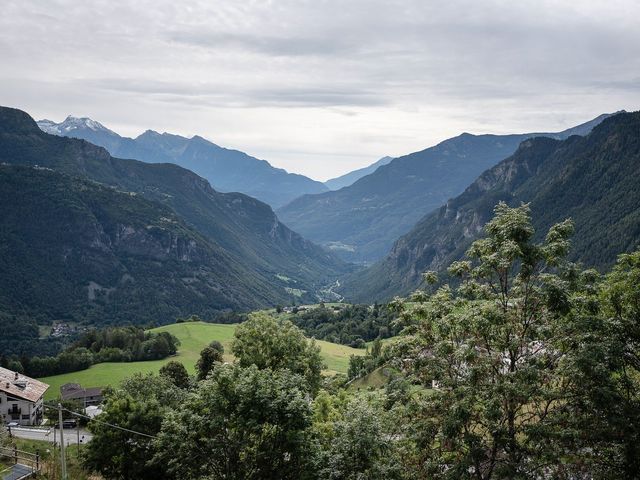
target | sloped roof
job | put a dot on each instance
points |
(72, 394)
(21, 386)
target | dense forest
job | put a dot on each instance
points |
(113, 344)
(352, 325)
(21, 336)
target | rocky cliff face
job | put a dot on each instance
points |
(77, 250)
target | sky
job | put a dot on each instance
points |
(321, 87)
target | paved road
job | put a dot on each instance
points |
(17, 472)
(49, 435)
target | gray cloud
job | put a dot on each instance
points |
(267, 44)
(296, 81)
(227, 95)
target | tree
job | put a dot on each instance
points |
(121, 455)
(148, 386)
(209, 356)
(140, 404)
(376, 348)
(51, 410)
(599, 425)
(490, 346)
(272, 343)
(177, 373)
(359, 446)
(239, 423)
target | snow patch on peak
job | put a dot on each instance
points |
(48, 126)
(70, 124)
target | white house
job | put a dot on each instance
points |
(21, 398)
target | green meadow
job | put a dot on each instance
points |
(193, 336)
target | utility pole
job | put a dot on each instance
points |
(63, 460)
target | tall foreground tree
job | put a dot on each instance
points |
(239, 424)
(600, 418)
(277, 344)
(489, 346)
(139, 405)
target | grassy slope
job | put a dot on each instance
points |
(193, 338)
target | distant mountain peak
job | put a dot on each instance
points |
(71, 124)
(228, 170)
(353, 176)
(149, 134)
(362, 220)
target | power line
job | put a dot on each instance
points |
(103, 423)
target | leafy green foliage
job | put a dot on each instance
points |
(114, 344)
(276, 344)
(491, 347)
(351, 325)
(209, 356)
(239, 423)
(176, 373)
(118, 454)
(598, 426)
(358, 447)
(139, 405)
(361, 365)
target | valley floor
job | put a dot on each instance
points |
(193, 336)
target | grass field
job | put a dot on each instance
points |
(193, 336)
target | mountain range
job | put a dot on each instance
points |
(87, 236)
(591, 179)
(226, 170)
(361, 222)
(137, 242)
(355, 175)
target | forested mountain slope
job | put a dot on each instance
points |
(73, 249)
(593, 180)
(360, 222)
(268, 260)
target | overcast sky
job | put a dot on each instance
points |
(321, 87)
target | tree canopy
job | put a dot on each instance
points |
(276, 344)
